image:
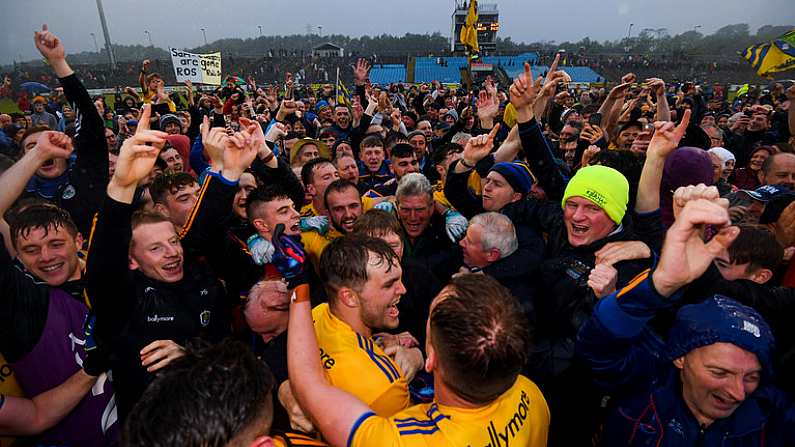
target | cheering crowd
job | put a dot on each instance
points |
(527, 264)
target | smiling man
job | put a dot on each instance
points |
(712, 379)
(363, 279)
(149, 291)
(424, 234)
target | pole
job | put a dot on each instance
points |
(96, 47)
(149, 36)
(205, 37)
(260, 30)
(337, 87)
(106, 33)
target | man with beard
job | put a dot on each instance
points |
(344, 206)
(363, 279)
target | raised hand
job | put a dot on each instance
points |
(51, 144)
(667, 136)
(51, 47)
(361, 72)
(288, 107)
(137, 157)
(487, 105)
(48, 44)
(524, 90)
(685, 256)
(240, 150)
(591, 133)
(690, 193)
(257, 135)
(276, 132)
(619, 91)
(479, 147)
(145, 65)
(656, 85)
(357, 110)
(588, 155)
(213, 143)
(628, 78)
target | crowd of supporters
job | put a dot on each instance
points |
(528, 264)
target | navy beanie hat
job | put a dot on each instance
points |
(720, 319)
(517, 174)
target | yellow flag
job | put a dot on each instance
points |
(772, 57)
(469, 32)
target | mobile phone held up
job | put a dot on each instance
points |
(595, 119)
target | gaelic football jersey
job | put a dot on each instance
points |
(520, 417)
(355, 364)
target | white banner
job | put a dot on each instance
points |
(198, 68)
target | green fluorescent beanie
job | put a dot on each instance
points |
(605, 187)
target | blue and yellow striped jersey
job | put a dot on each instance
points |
(520, 417)
(357, 365)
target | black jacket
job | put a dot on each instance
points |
(516, 272)
(133, 310)
(422, 286)
(433, 249)
(83, 191)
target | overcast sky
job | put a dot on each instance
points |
(178, 23)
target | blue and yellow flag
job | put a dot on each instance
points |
(469, 32)
(343, 95)
(772, 57)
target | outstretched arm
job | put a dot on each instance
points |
(25, 417)
(608, 340)
(524, 93)
(314, 394)
(665, 140)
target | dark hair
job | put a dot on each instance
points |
(756, 246)
(376, 223)
(207, 397)
(30, 131)
(393, 139)
(169, 183)
(481, 337)
(372, 141)
(308, 170)
(439, 155)
(45, 216)
(402, 150)
(338, 185)
(344, 261)
(264, 194)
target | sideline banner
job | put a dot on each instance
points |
(198, 68)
